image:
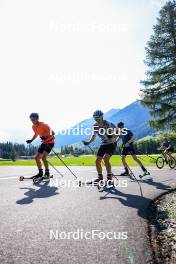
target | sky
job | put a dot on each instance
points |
(65, 59)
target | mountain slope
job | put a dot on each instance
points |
(135, 116)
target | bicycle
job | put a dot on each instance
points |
(161, 161)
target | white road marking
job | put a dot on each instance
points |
(7, 178)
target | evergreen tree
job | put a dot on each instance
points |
(9, 150)
(13, 154)
(159, 92)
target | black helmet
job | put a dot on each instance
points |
(120, 125)
(34, 115)
(98, 114)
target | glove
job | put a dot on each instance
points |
(29, 141)
(85, 143)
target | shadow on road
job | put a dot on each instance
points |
(129, 200)
(135, 201)
(44, 191)
(158, 185)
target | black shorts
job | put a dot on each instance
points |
(128, 150)
(45, 147)
(106, 149)
(171, 149)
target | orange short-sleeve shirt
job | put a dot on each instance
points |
(43, 130)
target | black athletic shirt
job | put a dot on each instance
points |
(106, 138)
(167, 144)
(127, 137)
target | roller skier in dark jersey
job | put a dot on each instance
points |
(128, 148)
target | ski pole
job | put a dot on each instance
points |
(140, 187)
(55, 169)
(57, 155)
(134, 178)
(147, 155)
(91, 149)
(103, 161)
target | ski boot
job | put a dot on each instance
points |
(38, 177)
(125, 173)
(109, 182)
(144, 174)
(95, 182)
(47, 175)
(99, 182)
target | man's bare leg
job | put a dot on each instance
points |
(99, 167)
(139, 162)
(108, 166)
(38, 158)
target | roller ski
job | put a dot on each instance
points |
(40, 177)
(22, 178)
(129, 174)
(109, 184)
(105, 184)
(34, 178)
(146, 173)
(94, 182)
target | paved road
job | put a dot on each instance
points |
(33, 217)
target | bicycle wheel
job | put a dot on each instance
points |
(172, 163)
(160, 162)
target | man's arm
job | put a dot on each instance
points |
(118, 139)
(33, 138)
(170, 145)
(117, 136)
(130, 141)
(90, 140)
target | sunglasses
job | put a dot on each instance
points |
(98, 118)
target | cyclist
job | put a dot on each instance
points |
(167, 149)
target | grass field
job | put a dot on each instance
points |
(82, 161)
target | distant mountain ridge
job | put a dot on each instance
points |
(135, 117)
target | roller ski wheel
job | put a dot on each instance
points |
(37, 179)
(146, 173)
(99, 184)
(105, 184)
(21, 178)
(110, 184)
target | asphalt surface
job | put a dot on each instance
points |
(33, 217)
